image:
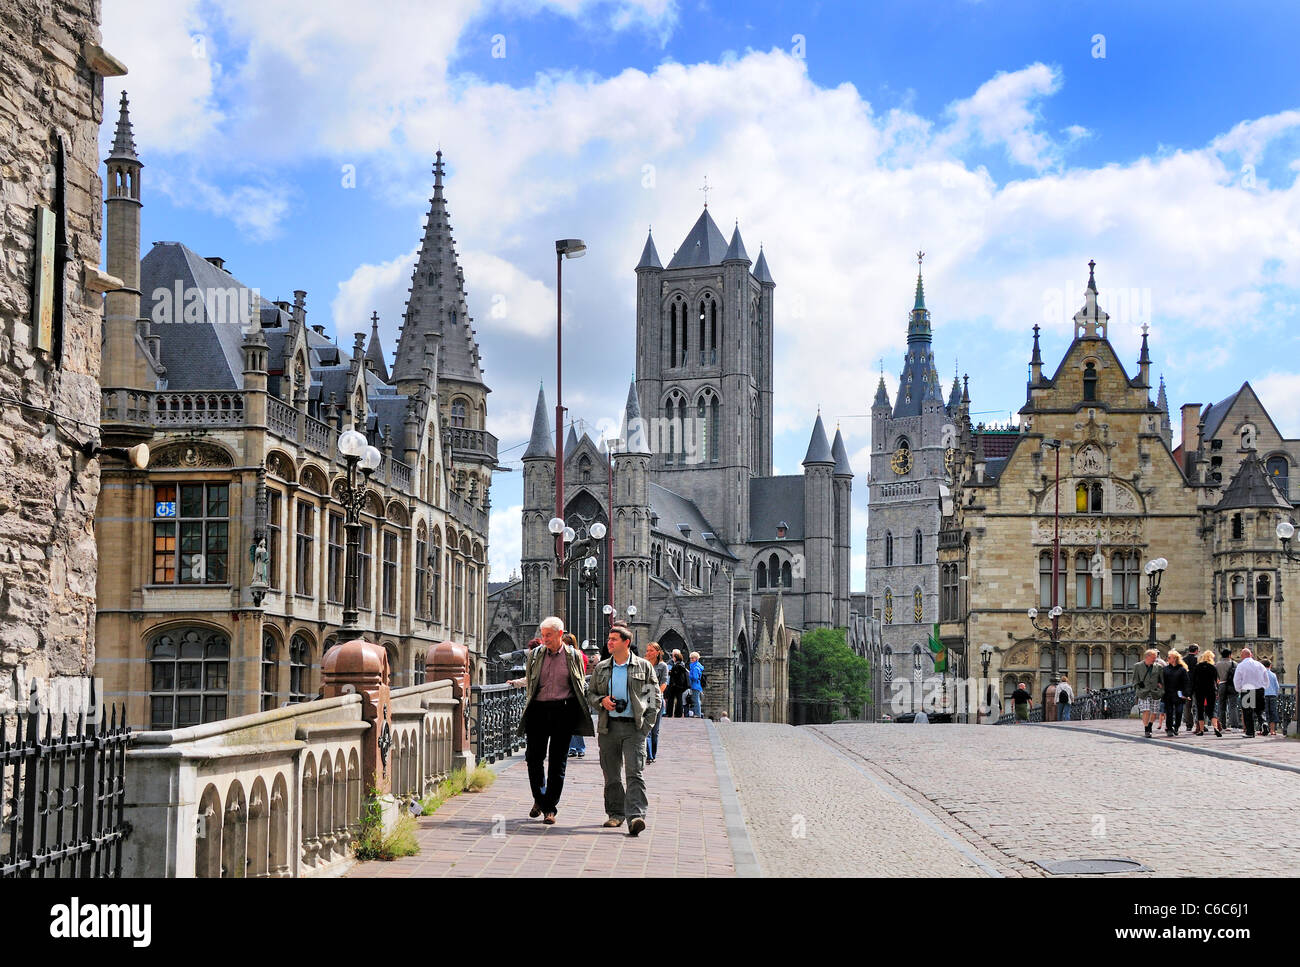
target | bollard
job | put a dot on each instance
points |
(362, 667)
(1049, 704)
(449, 660)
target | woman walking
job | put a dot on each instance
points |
(679, 682)
(655, 656)
(1177, 687)
(1205, 687)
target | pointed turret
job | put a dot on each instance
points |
(649, 257)
(736, 250)
(124, 137)
(761, 272)
(1144, 361)
(632, 438)
(954, 398)
(841, 455)
(540, 446)
(570, 443)
(1090, 322)
(917, 385)
(882, 394)
(819, 450)
(374, 351)
(437, 303)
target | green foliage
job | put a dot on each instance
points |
(373, 843)
(827, 681)
(480, 778)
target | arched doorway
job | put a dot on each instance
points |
(741, 687)
(499, 669)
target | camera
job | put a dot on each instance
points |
(620, 705)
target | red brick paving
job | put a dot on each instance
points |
(490, 834)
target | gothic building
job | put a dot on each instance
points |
(718, 555)
(242, 402)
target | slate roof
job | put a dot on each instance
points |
(761, 271)
(198, 355)
(1252, 487)
(632, 439)
(736, 250)
(841, 455)
(674, 509)
(998, 444)
(540, 443)
(649, 257)
(819, 449)
(1215, 412)
(772, 500)
(703, 245)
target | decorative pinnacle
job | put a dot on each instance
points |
(1092, 281)
(437, 169)
(123, 137)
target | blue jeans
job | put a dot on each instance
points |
(578, 743)
(1063, 712)
(652, 740)
(693, 702)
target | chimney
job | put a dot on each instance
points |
(300, 306)
(319, 329)
(218, 261)
(1191, 415)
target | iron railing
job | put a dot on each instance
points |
(63, 796)
(494, 714)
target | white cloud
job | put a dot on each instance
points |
(1003, 112)
(1280, 394)
(505, 541)
(515, 302)
(373, 288)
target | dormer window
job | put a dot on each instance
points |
(1089, 382)
(781, 529)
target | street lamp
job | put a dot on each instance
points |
(1155, 570)
(986, 656)
(565, 248)
(356, 452)
(1286, 531)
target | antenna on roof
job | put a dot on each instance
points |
(705, 189)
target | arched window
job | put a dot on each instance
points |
(1089, 381)
(916, 547)
(1087, 587)
(421, 571)
(1263, 604)
(189, 678)
(270, 671)
(458, 412)
(889, 549)
(1280, 472)
(1089, 669)
(1238, 607)
(1045, 580)
(773, 569)
(657, 560)
(435, 579)
(1124, 572)
(1081, 498)
(1045, 664)
(715, 429)
(918, 605)
(787, 575)
(1238, 527)
(889, 606)
(762, 574)
(584, 468)
(299, 667)
(1095, 503)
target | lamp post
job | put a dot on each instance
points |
(986, 656)
(580, 549)
(1155, 570)
(356, 451)
(1286, 531)
(565, 248)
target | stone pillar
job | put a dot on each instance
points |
(1049, 704)
(450, 661)
(362, 667)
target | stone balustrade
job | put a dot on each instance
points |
(464, 443)
(281, 418)
(281, 793)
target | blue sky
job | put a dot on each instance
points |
(842, 136)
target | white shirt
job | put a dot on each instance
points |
(1064, 689)
(1250, 674)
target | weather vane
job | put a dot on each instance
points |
(919, 256)
(705, 189)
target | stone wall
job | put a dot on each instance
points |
(47, 489)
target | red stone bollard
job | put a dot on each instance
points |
(1049, 704)
(362, 667)
(450, 660)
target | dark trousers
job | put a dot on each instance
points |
(1252, 706)
(1173, 711)
(1204, 706)
(548, 729)
(674, 698)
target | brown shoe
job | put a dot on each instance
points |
(535, 811)
(549, 819)
(612, 822)
(635, 825)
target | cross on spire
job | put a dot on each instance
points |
(374, 318)
(919, 256)
(705, 189)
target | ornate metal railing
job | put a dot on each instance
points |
(494, 714)
(61, 815)
(281, 418)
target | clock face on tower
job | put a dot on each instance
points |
(901, 462)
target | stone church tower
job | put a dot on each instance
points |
(909, 443)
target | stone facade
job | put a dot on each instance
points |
(229, 550)
(702, 532)
(51, 76)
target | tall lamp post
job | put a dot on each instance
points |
(1155, 570)
(582, 547)
(565, 248)
(986, 656)
(356, 452)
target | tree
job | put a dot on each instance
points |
(828, 682)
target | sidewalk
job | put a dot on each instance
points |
(490, 834)
(1279, 752)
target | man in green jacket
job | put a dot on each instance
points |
(1150, 688)
(625, 690)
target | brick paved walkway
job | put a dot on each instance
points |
(490, 834)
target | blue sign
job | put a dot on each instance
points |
(164, 508)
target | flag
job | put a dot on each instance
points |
(938, 653)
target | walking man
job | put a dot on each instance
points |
(1020, 701)
(556, 709)
(1251, 680)
(1150, 688)
(625, 689)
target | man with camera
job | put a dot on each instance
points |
(625, 690)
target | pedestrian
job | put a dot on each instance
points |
(555, 708)
(697, 684)
(654, 654)
(1149, 688)
(724, 717)
(625, 690)
(1227, 697)
(1064, 698)
(1205, 686)
(578, 744)
(1161, 663)
(1191, 657)
(1178, 686)
(1251, 679)
(679, 683)
(1021, 700)
(1270, 696)
(921, 718)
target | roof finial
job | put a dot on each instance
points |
(437, 169)
(1092, 281)
(919, 256)
(705, 189)
(374, 320)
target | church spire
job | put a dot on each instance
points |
(124, 137)
(374, 351)
(540, 446)
(918, 328)
(649, 257)
(437, 301)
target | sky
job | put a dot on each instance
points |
(1012, 142)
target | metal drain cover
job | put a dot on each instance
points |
(1092, 867)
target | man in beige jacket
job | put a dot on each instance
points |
(625, 689)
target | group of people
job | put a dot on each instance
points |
(628, 693)
(1187, 690)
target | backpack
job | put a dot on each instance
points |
(1062, 698)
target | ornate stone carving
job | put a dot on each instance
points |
(1089, 530)
(1089, 461)
(1125, 502)
(1019, 656)
(191, 454)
